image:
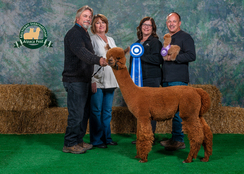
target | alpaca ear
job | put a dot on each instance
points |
(107, 47)
(127, 50)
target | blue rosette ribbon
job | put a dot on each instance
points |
(136, 51)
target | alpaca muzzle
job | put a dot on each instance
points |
(111, 62)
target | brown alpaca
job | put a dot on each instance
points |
(174, 49)
(147, 103)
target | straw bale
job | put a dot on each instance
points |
(9, 122)
(24, 97)
(214, 94)
(231, 120)
(54, 120)
(50, 120)
(164, 127)
(122, 120)
(28, 117)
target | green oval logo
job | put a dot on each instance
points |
(33, 35)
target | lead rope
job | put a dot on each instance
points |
(97, 71)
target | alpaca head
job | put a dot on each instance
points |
(167, 39)
(116, 57)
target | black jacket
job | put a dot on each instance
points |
(151, 59)
(79, 56)
(177, 70)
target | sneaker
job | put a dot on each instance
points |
(166, 142)
(86, 145)
(76, 149)
(175, 145)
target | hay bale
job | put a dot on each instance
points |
(54, 120)
(31, 114)
(122, 121)
(164, 127)
(24, 97)
(50, 120)
(214, 94)
(214, 113)
(9, 122)
(230, 120)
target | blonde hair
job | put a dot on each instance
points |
(95, 19)
(81, 10)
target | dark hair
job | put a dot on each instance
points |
(154, 27)
(174, 13)
(95, 19)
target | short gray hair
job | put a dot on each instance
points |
(81, 10)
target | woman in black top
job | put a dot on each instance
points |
(151, 59)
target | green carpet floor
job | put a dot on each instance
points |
(41, 154)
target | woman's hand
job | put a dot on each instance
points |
(94, 87)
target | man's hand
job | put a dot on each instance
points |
(94, 87)
(167, 57)
(103, 62)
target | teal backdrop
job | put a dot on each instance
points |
(215, 25)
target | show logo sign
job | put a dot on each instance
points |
(33, 35)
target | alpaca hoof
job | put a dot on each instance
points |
(137, 156)
(204, 159)
(143, 161)
(187, 161)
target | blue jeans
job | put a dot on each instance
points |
(101, 115)
(78, 97)
(177, 134)
(152, 82)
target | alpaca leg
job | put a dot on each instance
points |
(208, 140)
(194, 130)
(138, 150)
(173, 56)
(144, 138)
(137, 144)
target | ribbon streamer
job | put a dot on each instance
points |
(17, 44)
(164, 50)
(136, 51)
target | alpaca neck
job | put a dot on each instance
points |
(127, 86)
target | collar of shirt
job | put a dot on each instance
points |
(77, 24)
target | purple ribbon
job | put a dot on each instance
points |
(164, 51)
